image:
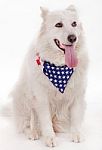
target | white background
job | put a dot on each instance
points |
(19, 22)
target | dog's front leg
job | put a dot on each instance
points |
(76, 114)
(43, 112)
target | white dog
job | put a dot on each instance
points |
(49, 96)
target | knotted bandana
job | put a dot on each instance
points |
(58, 75)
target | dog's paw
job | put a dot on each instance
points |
(50, 141)
(75, 137)
(32, 135)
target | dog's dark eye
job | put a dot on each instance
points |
(59, 25)
(74, 24)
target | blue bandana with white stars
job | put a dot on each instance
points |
(58, 75)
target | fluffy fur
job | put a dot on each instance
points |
(40, 109)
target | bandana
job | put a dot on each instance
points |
(58, 75)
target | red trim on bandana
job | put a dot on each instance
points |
(38, 60)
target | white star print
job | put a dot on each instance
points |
(51, 75)
(46, 73)
(53, 71)
(64, 81)
(55, 76)
(61, 90)
(62, 72)
(51, 79)
(56, 84)
(63, 77)
(66, 72)
(60, 81)
(52, 67)
(67, 77)
(70, 71)
(48, 67)
(55, 80)
(58, 72)
(59, 77)
(65, 85)
(60, 85)
(66, 68)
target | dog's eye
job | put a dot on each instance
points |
(74, 24)
(59, 25)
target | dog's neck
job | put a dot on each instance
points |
(44, 56)
(48, 54)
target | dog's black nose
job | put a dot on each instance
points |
(72, 38)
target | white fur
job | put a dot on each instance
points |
(40, 109)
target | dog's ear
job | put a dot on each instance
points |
(71, 8)
(44, 12)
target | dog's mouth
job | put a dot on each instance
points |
(57, 42)
(69, 51)
(61, 46)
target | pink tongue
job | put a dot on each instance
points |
(70, 56)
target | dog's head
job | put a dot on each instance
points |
(61, 33)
